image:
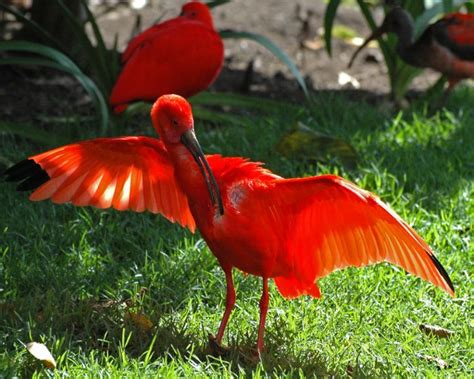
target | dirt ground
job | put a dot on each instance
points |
(290, 24)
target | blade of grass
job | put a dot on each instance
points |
(218, 117)
(33, 133)
(216, 3)
(239, 101)
(274, 49)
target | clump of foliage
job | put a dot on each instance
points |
(96, 70)
(94, 64)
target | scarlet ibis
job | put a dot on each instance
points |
(447, 46)
(183, 55)
(295, 231)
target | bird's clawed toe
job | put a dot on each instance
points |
(216, 348)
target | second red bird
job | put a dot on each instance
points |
(183, 55)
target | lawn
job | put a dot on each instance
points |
(88, 283)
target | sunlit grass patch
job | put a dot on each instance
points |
(69, 276)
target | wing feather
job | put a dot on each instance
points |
(333, 224)
(126, 173)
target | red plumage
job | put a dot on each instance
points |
(460, 27)
(295, 231)
(183, 55)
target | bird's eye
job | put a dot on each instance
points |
(193, 14)
(175, 123)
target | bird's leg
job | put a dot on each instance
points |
(229, 305)
(452, 82)
(215, 342)
(263, 315)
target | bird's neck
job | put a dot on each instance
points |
(192, 183)
(405, 38)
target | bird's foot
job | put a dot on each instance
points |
(256, 356)
(216, 348)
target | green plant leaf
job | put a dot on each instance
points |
(404, 77)
(96, 61)
(58, 61)
(274, 49)
(216, 3)
(33, 25)
(105, 58)
(33, 133)
(329, 16)
(386, 46)
(303, 142)
(469, 6)
(81, 37)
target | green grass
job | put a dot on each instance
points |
(68, 276)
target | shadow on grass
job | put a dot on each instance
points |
(91, 325)
(74, 292)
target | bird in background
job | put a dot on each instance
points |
(447, 46)
(294, 231)
(183, 55)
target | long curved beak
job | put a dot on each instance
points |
(376, 34)
(190, 141)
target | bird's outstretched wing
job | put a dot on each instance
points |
(125, 173)
(331, 224)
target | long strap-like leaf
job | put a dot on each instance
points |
(329, 16)
(274, 49)
(56, 59)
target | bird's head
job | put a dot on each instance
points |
(397, 21)
(196, 10)
(173, 120)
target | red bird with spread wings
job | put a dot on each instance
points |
(447, 46)
(294, 231)
(183, 55)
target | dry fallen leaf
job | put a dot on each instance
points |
(41, 352)
(344, 78)
(434, 330)
(439, 362)
(350, 370)
(343, 32)
(313, 44)
(142, 322)
(302, 142)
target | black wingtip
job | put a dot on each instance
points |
(442, 271)
(28, 172)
